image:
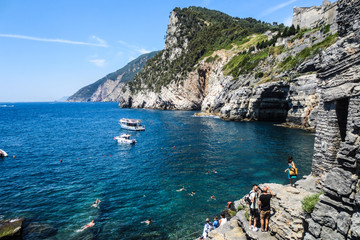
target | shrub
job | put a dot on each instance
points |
(211, 59)
(232, 213)
(244, 63)
(259, 75)
(326, 29)
(240, 208)
(247, 215)
(309, 202)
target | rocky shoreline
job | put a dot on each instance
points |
(288, 219)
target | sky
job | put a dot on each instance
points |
(51, 49)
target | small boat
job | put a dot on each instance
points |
(125, 138)
(3, 153)
(131, 124)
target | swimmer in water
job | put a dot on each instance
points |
(213, 197)
(192, 193)
(181, 189)
(96, 203)
(214, 171)
(89, 225)
(147, 221)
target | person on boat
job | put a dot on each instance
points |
(90, 224)
(181, 189)
(291, 171)
(147, 221)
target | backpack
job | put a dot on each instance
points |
(247, 198)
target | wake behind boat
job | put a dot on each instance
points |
(131, 124)
(3, 153)
(125, 138)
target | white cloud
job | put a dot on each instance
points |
(99, 43)
(277, 7)
(288, 21)
(136, 48)
(206, 2)
(98, 62)
(143, 51)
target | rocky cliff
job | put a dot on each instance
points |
(335, 167)
(237, 69)
(108, 88)
(268, 76)
(336, 151)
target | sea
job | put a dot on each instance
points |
(63, 156)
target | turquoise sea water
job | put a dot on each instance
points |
(133, 182)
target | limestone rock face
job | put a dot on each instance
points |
(227, 231)
(303, 101)
(309, 17)
(337, 142)
(172, 35)
(185, 96)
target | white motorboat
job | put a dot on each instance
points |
(131, 124)
(125, 138)
(3, 153)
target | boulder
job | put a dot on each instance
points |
(229, 230)
(11, 228)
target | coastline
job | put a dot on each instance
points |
(288, 220)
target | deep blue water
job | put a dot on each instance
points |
(134, 182)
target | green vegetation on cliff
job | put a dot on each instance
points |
(292, 62)
(203, 31)
(309, 202)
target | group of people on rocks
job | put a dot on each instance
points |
(259, 205)
(260, 200)
(209, 226)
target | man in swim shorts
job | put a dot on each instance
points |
(264, 204)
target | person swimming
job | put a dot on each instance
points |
(89, 225)
(213, 197)
(192, 193)
(96, 203)
(147, 221)
(181, 189)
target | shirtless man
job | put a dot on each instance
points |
(90, 224)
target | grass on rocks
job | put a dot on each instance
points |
(309, 202)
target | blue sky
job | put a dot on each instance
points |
(50, 49)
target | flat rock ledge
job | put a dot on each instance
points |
(287, 219)
(11, 228)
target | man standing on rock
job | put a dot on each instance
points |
(264, 204)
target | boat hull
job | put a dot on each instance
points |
(3, 153)
(132, 128)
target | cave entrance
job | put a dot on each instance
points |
(342, 109)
